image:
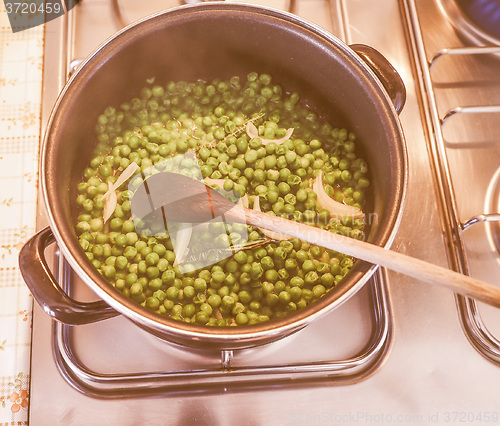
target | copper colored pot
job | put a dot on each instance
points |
(351, 86)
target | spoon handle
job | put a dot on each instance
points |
(374, 254)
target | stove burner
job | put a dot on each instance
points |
(483, 13)
(493, 211)
(476, 21)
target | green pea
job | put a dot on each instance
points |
(152, 258)
(223, 291)
(301, 195)
(152, 272)
(256, 271)
(205, 307)
(172, 293)
(214, 300)
(152, 303)
(346, 175)
(101, 238)
(253, 236)
(130, 279)
(145, 250)
(228, 302)
(280, 253)
(295, 293)
(170, 256)
(161, 296)
(98, 250)
(346, 262)
(318, 290)
(120, 284)
(155, 284)
(311, 278)
(237, 308)
(273, 175)
(109, 271)
(106, 250)
(328, 280)
(316, 251)
(200, 285)
(168, 277)
(283, 274)
(230, 279)
(105, 170)
(251, 156)
(272, 195)
(290, 157)
(267, 262)
(121, 240)
(240, 257)
(204, 153)
(245, 297)
(283, 188)
(245, 278)
(308, 265)
(96, 224)
(272, 299)
(271, 275)
(231, 266)
(88, 205)
(128, 226)
(363, 183)
(270, 161)
(302, 256)
(202, 317)
(116, 224)
(136, 289)
(121, 262)
(242, 145)
(130, 252)
(263, 318)
(297, 282)
(241, 318)
(218, 276)
(188, 311)
(162, 265)
(285, 297)
(322, 267)
(291, 264)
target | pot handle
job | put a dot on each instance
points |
(385, 72)
(47, 291)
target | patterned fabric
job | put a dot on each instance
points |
(21, 65)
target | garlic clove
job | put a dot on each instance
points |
(336, 209)
(252, 132)
(126, 174)
(182, 238)
(110, 202)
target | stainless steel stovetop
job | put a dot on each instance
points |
(400, 351)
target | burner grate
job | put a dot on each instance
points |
(444, 85)
(219, 371)
(475, 21)
(205, 372)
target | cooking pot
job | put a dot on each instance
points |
(353, 87)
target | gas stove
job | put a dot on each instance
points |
(398, 351)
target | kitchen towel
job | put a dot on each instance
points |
(21, 66)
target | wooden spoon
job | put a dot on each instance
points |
(188, 200)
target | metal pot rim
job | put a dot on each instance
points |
(240, 336)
